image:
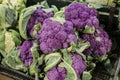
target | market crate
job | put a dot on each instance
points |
(14, 74)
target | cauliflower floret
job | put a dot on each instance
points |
(25, 52)
(81, 15)
(100, 42)
(37, 17)
(54, 35)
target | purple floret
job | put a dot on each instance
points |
(78, 64)
(37, 17)
(54, 35)
(100, 43)
(58, 73)
(25, 52)
(81, 15)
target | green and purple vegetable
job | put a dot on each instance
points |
(52, 44)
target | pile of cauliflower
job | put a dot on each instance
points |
(58, 47)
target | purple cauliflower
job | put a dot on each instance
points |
(81, 15)
(56, 73)
(59, 73)
(25, 52)
(37, 17)
(100, 42)
(54, 35)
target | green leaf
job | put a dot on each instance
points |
(34, 51)
(67, 63)
(58, 19)
(33, 68)
(11, 16)
(60, 13)
(37, 27)
(89, 58)
(44, 3)
(81, 54)
(45, 78)
(48, 10)
(24, 17)
(20, 5)
(3, 53)
(101, 58)
(71, 74)
(2, 39)
(86, 76)
(73, 44)
(13, 61)
(16, 37)
(100, 2)
(69, 49)
(96, 6)
(1, 1)
(3, 13)
(17, 5)
(109, 67)
(55, 8)
(91, 66)
(63, 50)
(42, 75)
(41, 59)
(89, 29)
(51, 60)
(82, 46)
(35, 54)
(8, 16)
(67, 58)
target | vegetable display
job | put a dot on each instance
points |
(52, 44)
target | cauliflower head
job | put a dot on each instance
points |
(59, 73)
(81, 15)
(53, 35)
